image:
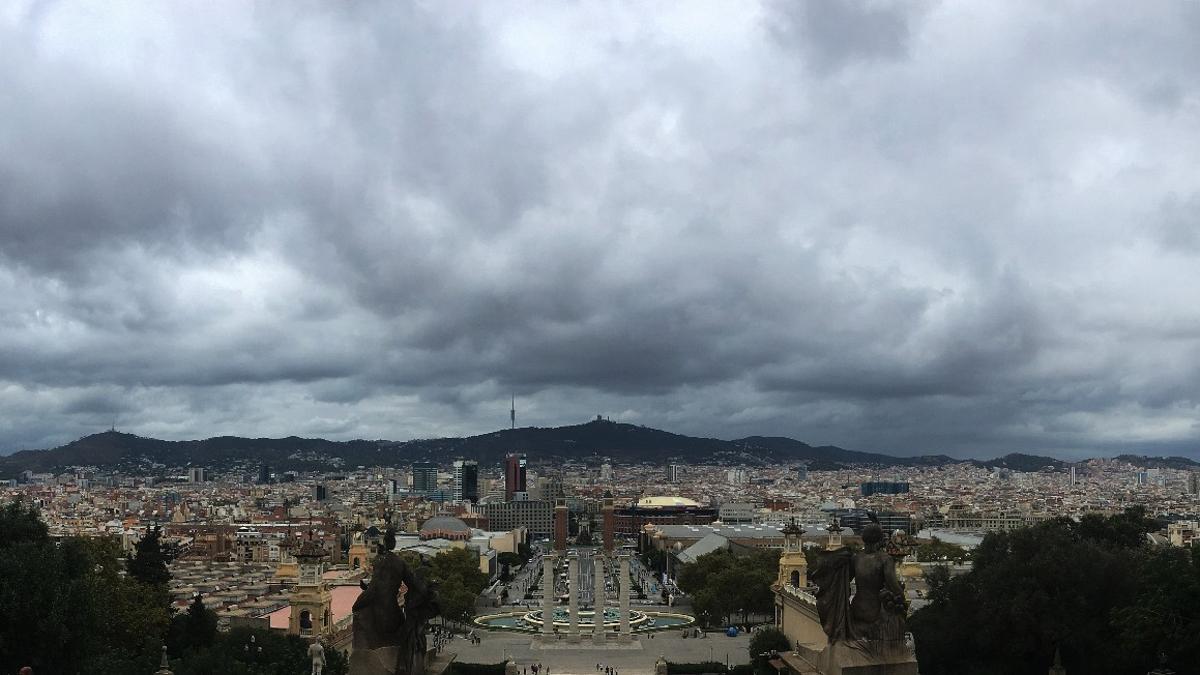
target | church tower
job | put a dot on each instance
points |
(310, 599)
(793, 567)
(361, 554)
(835, 535)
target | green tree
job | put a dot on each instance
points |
(763, 643)
(937, 550)
(655, 560)
(65, 607)
(724, 583)
(1125, 530)
(149, 561)
(20, 523)
(458, 578)
(193, 630)
(1164, 617)
(244, 651)
(507, 561)
(1059, 585)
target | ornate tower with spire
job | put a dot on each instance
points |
(793, 567)
(310, 599)
(835, 535)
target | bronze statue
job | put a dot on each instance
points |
(877, 611)
(392, 611)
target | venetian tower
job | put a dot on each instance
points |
(793, 566)
(310, 598)
(360, 555)
(835, 535)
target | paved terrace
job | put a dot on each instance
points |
(581, 659)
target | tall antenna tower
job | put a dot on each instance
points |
(512, 413)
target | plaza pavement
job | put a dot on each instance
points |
(498, 646)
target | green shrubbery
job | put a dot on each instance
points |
(66, 607)
(1094, 589)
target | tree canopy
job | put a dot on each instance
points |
(937, 550)
(1093, 589)
(149, 561)
(67, 609)
(723, 583)
(268, 653)
(458, 578)
(68, 606)
(763, 643)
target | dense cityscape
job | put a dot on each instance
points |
(290, 552)
(600, 337)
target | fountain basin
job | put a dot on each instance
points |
(532, 622)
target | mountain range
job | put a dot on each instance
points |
(593, 442)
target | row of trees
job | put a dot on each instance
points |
(66, 607)
(937, 550)
(724, 584)
(77, 605)
(1095, 589)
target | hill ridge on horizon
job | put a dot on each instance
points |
(591, 440)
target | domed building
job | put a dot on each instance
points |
(667, 502)
(445, 527)
(661, 510)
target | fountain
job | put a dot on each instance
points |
(534, 622)
(571, 622)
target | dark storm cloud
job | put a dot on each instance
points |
(834, 34)
(911, 227)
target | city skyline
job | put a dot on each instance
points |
(910, 228)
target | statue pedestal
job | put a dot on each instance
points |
(867, 657)
(373, 661)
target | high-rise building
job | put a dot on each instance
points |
(197, 475)
(514, 475)
(264, 475)
(884, 487)
(606, 473)
(466, 481)
(674, 471)
(1193, 483)
(534, 515)
(802, 472)
(320, 493)
(608, 524)
(560, 524)
(424, 477)
(1074, 477)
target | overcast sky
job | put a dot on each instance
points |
(960, 227)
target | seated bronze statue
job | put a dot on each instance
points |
(878, 610)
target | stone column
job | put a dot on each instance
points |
(573, 595)
(598, 602)
(548, 594)
(623, 578)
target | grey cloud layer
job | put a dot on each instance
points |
(911, 227)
